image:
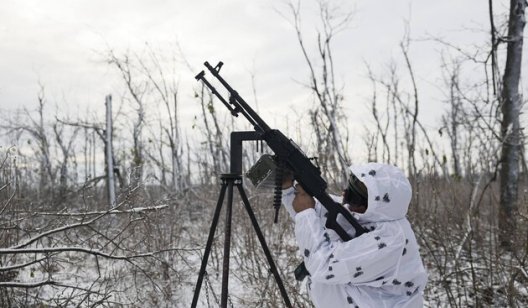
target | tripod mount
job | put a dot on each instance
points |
(229, 181)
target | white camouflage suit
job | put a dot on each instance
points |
(381, 268)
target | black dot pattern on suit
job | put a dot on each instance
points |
(358, 272)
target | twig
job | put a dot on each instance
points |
(17, 266)
(67, 227)
(27, 285)
(85, 250)
(133, 210)
(8, 201)
(468, 217)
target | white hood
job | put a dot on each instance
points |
(389, 192)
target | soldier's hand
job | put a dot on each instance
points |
(302, 200)
(287, 179)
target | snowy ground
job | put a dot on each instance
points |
(151, 258)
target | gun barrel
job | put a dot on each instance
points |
(215, 92)
(240, 104)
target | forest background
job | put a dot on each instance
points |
(109, 181)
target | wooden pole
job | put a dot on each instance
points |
(109, 153)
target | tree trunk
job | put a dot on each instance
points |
(510, 125)
(175, 143)
(110, 180)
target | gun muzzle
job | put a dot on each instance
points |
(200, 75)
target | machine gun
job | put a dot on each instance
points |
(288, 154)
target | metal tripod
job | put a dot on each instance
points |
(229, 181)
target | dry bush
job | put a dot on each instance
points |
(81, 253)
(456, 224)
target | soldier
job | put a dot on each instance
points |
(381, 268)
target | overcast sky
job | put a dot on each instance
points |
(60, 44)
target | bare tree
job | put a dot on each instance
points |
(413, 112)
(38, 131)
(327, 116)
(214, 135)
(93, 129)
(511, 103)
(381, 128)
(452, 120)
(137, 90)
(167, 93)
(66, 148)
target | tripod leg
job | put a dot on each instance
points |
(208, 245)
(260, 236)
(227, 244)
